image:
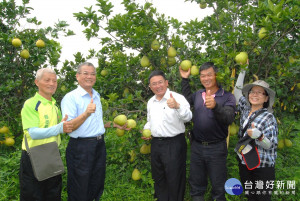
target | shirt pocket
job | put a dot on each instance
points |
(168, 115)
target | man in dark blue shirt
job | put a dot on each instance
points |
(214, 111)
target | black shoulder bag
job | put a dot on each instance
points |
(251, 158)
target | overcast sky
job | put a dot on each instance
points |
(50, 11)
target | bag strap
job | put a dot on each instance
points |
(250, 121)
(26, 144)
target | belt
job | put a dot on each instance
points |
(99, 137)
(206, 143)
(167, 138)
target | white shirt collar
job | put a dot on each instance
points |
(166, 96)
(83, 92)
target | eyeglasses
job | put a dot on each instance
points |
(210, 75)
(154, 84)
(85, 74)
(259, 93)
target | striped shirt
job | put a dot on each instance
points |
(266, 123)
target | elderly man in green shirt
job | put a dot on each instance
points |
(42, 123)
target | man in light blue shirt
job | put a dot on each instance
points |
(86, 152)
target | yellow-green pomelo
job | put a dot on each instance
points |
(126, 92)
(16, 42)
(120, 132)
(136, 175)
(262, 33)
(256, 51)
(24, 54)
(171, 61)
(233, 129)
(145, 149)
(185, 65)
(280, 144)
(203, 5)
(9, 141)
(246, 43)
(288, 143)
(163, 62)
(145, 61)
(40, 43)
(241, 58)
(104, 72)
(131, 123)
(120, 119)
(194, 70)
(132, 155)
(146, 133)
(172, 52)
(4, 129)
(155, 45)
(291, 59)
(63, 88)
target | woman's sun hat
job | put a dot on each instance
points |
(263, 84)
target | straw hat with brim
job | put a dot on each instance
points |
(264, 85)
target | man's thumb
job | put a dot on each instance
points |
(252, 125)
(65, 118)
(92, 100)
(208, 93)
(171, 96)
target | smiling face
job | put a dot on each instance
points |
(86, 77)
(47, 85)
(159, 86)
(208, 79)
(257, 96)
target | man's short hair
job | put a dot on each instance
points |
(208, 65)
(156, 73)
(42, 71)
(84, 64)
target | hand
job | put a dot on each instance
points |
(107, 124)
(254, 133)
(124, 127)
(65, 118)
(67, 126)
(184, 74)
(91, 108)
(146, 138)
(171, 102)
(210, 102)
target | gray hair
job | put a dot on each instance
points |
(42, 71)
(84, 64)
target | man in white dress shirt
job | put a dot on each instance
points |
(167, 111)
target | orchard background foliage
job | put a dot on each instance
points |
(232, 28)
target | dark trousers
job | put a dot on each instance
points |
(86, 160)
(32, 189)
(208, 160)
(266, 174)
(168, 166)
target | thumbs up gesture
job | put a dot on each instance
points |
(171, 102)
(91, 108)
(210, 102)
(67, 126)
(254, 132)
